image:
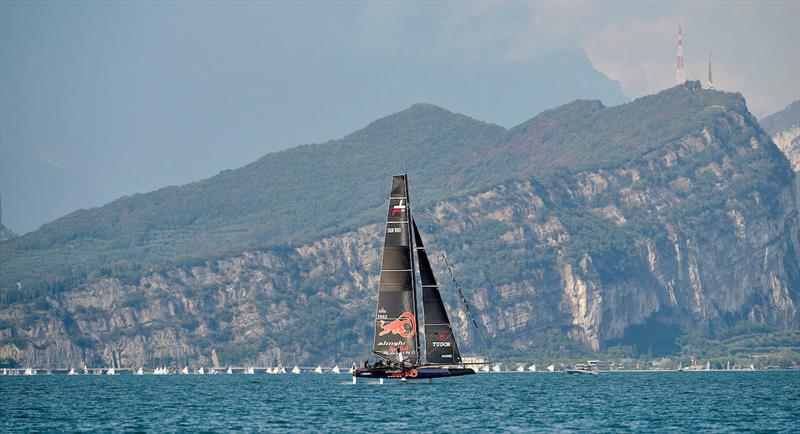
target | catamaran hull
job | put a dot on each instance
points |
(412, 373)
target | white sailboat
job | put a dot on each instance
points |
(318, 369)
(296, 369)
(71, 371)
(212, 371)
(551, 368)
(497, 368)
(249, 371)
(532, 368)
(140, 371)
(520, 368)
(283, 370)
(29, 371)
(185, 370)
(708, 366)
(111, 371)
(85, 371)
(229, 371)
(336, 370)
(201, 371)
(352, 369)
(485, 368)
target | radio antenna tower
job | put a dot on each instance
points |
(710, 84)
(680, 75)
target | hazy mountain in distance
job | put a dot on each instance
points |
(784, 127)
(129, 146)
(39, 185)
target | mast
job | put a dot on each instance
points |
(410, 219)
(396, 338)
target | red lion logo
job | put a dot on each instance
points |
(404, 326)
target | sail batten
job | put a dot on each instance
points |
(396, 336)
(440, 342)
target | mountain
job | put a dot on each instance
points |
(663, 225)
(300, 194)
(784, 127)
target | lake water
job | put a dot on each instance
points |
(524, 402)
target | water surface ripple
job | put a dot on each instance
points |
(610, 402)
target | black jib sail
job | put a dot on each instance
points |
(440, 343)
(396, 337)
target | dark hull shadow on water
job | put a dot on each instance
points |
(684, 402)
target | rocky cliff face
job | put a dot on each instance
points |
(693, 235)
(784, 127)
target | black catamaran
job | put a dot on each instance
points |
(396, 339)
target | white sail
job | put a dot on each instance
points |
(708, 366)
(29, 371)
(336, 370)
(229, 371)
(140, 371)
(318, 369)
(212, 371)
(111, 371)
(283, 370)
(532, 368)
(551, 368)
(201, 371)
(352, 369)
(71, 371)
(185, 370)
(296, 369)
(520, 368)
(485, 368)
(85, 371)
(249, 371)
(496, 368)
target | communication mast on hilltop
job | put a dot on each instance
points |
(710, 84)
(680, 75)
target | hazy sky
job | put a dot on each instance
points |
(143, 94)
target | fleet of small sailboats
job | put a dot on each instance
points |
(591, 367)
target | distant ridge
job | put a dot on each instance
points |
(310, 191)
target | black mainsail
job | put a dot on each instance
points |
(396, 337)
(440, 343)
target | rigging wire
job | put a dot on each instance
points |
(457, 286)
